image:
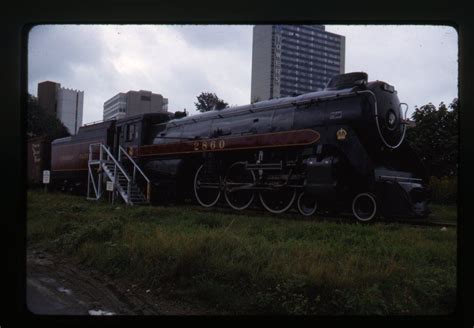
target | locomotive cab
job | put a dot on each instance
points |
(137, 130)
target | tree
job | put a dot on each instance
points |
(41, 123)
(435, 137)
(179, 114)
(255, 99)
(209, 101)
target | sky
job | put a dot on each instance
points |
(181, 61)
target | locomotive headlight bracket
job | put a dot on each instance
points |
(404, 120)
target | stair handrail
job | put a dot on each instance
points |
(113, 159)
(136, 167)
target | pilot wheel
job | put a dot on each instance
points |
(364, 207)
(307, 205)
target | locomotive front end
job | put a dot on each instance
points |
(401, 195)
(399, 175)
(375, 172)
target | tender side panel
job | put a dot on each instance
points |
(72, 156)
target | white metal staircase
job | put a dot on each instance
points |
(103, 167)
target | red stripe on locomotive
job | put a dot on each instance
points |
(265, 140)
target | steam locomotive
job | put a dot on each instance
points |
(340, 149)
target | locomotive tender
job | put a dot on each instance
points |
(338, 149)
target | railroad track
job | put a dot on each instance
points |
(294, 215)
(424, 223)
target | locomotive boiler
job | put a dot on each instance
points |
(340, 149)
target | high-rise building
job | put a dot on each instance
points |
(293, 59)
(70, 106)
(47, 96)
(66, 104)
(134, 102)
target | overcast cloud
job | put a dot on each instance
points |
(180, 62)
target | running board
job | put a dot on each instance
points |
(399, 179)
(264, 166)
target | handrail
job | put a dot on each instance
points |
(377, 121)
(113, 159)
(136, 167)
(133, 162)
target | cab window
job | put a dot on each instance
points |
(131, 132)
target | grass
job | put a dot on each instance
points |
(444, 213)
(256, 264)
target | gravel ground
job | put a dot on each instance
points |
(58, 286)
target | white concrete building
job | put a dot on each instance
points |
(66, 104)
(70, 107)
(134, 102)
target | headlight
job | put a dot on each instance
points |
(391, 119)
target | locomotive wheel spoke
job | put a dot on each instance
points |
(307, 205)
(238, 182)
(278, 200)
(206, 187)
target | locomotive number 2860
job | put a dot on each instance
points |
(209, 145)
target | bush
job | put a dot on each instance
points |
(444, 190)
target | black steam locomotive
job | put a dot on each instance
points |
(334, 150)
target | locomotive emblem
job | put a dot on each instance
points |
(341, 134)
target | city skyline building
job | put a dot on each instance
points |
(293, 59)
(64, 103)
(132, 103)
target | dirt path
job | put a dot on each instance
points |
(58, 286)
